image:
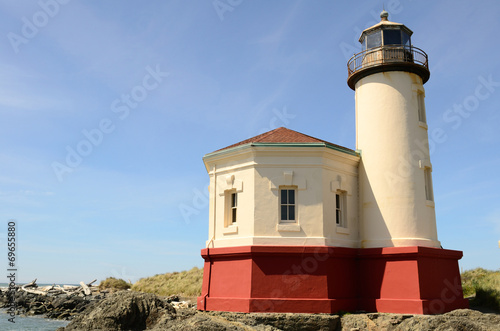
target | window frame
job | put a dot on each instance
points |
(341, 208)
(230, 211)
(422, 116)
(429, 193)
(233, 205)
(287, 204)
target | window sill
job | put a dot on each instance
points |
(429, 203)
(232, 229)
(422, 125)
(342, 230)
(288, 227)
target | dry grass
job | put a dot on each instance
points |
(481, 284)
(114, 284)
(484, 286)
(185, 283)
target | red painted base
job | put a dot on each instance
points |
(321, 279)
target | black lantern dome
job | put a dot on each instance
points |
(386, 46)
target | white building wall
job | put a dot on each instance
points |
(343, 178)
(259, 172)
(231, 173)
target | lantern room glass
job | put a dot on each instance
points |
(406, 41)
(392, 37)
(382, 37)
(374, 39)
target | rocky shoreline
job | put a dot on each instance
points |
(142, 311)
(61, 306)
(127, 310)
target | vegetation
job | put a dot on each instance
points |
(113, 284)
(484, 286)
(185, 283)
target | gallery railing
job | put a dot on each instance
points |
(389, 54)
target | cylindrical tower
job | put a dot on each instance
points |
(396, 195)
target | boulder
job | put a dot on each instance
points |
(67, 302)
(123, 311)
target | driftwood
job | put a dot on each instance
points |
(32, 288)
(31, 284)
(83, 289)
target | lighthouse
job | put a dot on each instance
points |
(302, 225)
(395, 172)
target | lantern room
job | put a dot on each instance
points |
(385, 33)
(386, 46)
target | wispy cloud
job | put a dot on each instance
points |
(282, 30)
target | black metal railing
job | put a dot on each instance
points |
(389, 54)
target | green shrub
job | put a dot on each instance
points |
(185, 283)
(487, 298)
(114, 284)
(483, 286)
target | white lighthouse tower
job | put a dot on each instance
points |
(388, 76)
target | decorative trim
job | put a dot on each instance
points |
(229, 180)
(327, 145)
(230, 183)
(231, 229)
(430, 203)
(249, 145)
(343, 230)
(340, 184)
(288, 179)
(423, 125)
(425, 163)
(283, 227)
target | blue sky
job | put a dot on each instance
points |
(107, 108)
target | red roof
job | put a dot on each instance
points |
(284, 135)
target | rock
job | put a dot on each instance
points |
(203, 322)
(60, 306)
(283, 321)
(180, 305)
(67, 302)
(460, 319)
(139, 311)
(457, 320)
(173, 298)
(123, 311)
(38, 310)
(21, 299)
(127, 310)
